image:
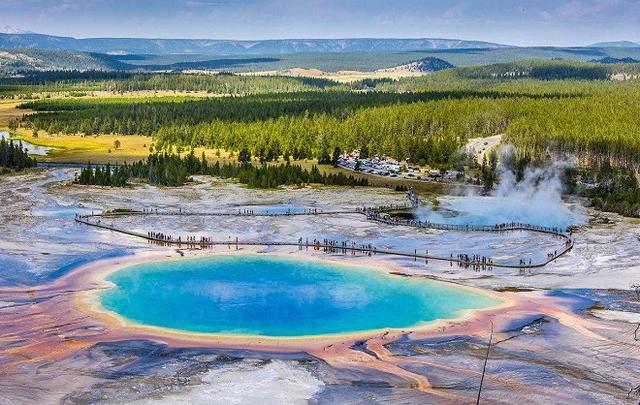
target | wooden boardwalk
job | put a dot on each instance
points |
(379, 214)
(506, 227)
(96, 220)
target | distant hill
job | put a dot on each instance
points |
(27, 60)
(8, 29)
(611, 60)
(120, 46)
(425, 65)
(550, 70)
(15, 60)
(616, 44)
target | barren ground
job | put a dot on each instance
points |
(537, 360)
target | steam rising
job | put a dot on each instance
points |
(536, 200)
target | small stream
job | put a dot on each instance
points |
(29, 147)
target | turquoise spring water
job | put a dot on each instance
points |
(278, 296)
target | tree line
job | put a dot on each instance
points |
(145, 116)
(594, 121)
(122, 82)
(13, 155)
(613, 189)
(426, 127)
(173, 170)
(545, 70)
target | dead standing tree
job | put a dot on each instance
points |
(484, 367)
(636, 287)
(635, 391)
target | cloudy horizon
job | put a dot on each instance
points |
(522, 23)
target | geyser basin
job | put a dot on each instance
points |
(279, 297)
(491, 210)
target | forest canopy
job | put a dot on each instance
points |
(542, 108)
(173, 170)
(588, 111)
(591, 120)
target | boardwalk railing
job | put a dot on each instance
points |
(379, 214)
(511, 226)
(239, 213)
(330, 246)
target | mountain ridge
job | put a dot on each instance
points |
(234, 47)
(616, 44)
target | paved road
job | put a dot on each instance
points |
(480, 146)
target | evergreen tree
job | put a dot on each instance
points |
(14, 156)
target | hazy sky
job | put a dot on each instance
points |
(525, 22)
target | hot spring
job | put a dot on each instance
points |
(491, 210)
(279, 297)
